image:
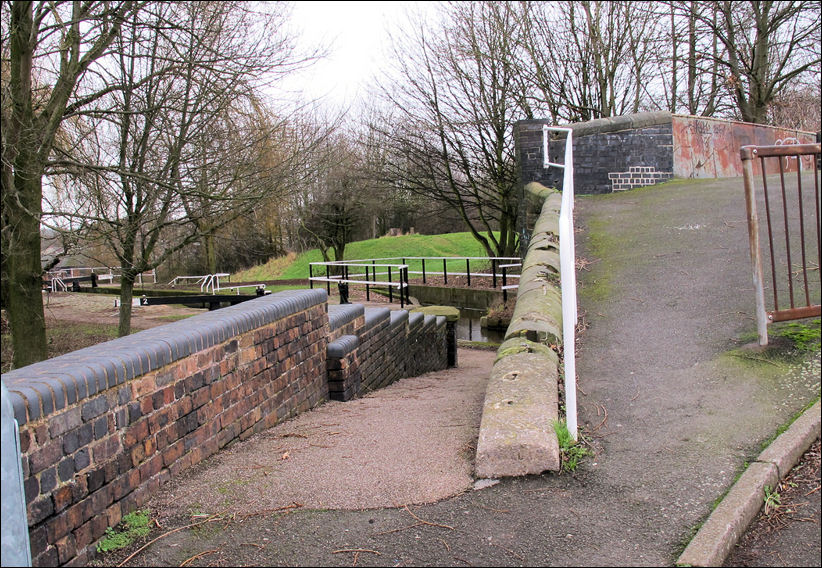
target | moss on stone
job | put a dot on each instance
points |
(450, 313)
(522, 345)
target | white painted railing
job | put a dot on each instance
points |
(568, 280)
(212, 281)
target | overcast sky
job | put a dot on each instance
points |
(357, 36)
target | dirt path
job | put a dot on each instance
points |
(102, 309)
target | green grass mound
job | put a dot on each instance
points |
(449, 244)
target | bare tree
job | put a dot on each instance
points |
(768, 47)
(47, 49)
(797, 108)
(456, 95)
(588, 59)
(182, 145)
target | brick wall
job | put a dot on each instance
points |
(390, 346)
(102, 428)
(601, 147)
(610, 153)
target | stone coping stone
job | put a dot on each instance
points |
(429, 321)
(398, 317)
(517, 436)
(624, 122)
(47, 386)
(451, 314)
(523, 345)
(539, 191)
(415, 319)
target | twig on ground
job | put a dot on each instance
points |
(448, 548)
(356, 552)
(294, 505)
(494, 510)
(399, 529)
(508, 550)
(605, 419)
(426, 522)
(196, 556)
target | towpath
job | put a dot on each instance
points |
(670, 407)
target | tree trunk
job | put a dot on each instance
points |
(22, 192)
(25, 295)
(692, 53)
(210, 252)
(126, 294)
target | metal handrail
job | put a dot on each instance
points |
(468, 273)
(568, 280)
(213, 281)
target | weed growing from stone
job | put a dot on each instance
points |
(772, 499)
(571, 452)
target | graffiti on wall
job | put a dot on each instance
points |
(709, 148)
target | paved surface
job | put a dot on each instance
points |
(672, 412)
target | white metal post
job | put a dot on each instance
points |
(568, 280)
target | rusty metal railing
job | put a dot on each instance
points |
(789, 209)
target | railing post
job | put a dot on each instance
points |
(16, 550)
(423, 271)
(327, 280)
(401, 290)
(468, 271)
(494, 272)
(367, 286)
(407, 288)
(444, 271)
(390, 289)
(504, 283)
(310, 276)
(753, 240)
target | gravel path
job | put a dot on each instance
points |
(352, 455)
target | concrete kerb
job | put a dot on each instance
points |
(728, 522)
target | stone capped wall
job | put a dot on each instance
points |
(521, 401)
(601, 147)
(619, 153)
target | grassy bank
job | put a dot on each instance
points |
(296, 266)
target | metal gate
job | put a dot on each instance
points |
(791, 203)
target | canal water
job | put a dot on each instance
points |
(469, 328)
